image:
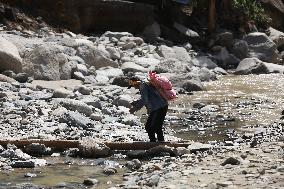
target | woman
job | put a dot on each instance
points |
(156, 106)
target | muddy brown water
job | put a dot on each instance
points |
(251, 100)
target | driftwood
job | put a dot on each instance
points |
(65, 144)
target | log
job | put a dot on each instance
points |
(65, 144)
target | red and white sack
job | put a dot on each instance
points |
(163, 86)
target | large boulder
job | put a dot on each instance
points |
(45, 62)
(172, 65)
(96, 56)
(240, 49)
(277, 37)
(9, 56)
(75, 105)
(93, 149)
(262, 47)
(179, 53)
(251, 66)
(204, 61)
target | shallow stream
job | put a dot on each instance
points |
(243, 104)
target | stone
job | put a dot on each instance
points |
(193, 85)
(96, 117)
(109, 72)
(225, 39)
(110, 170)
(4, 78)
(79, 76)
(23, 164)
(231, 161)
(204, 61)
(44, 62)
(90, 182)
(262, 47)
(171, 65)
(61, 93)
(240, 49)
(9, 56)
(123, 100)
(276, 36)
(37, 149)
(134, 164)
(196, 146)
(76, 119)
(82, 68)
(251, 66)
(21, 77)
(132, 67)
(95, 56)
(15, 154)
(75, 105)
(153, 180)
(30, 175)
(92, 149)
(83, 90)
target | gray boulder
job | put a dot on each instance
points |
(204, 74)
(179, 53)
(9, 56)
(204, 61)
(226, 60)
(61, 93)
(277, 37)
(192, 85)
(4, 78)
(171, 65)
(93, 149)
(251, 66)
(240, 49)
(37, 149)
(75, 119)
(96, 56)
(75, 105)
(123, 100)
(109, 72)
(45, 62)
(262, 47)
(225, 39)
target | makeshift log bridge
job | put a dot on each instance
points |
(65, 144)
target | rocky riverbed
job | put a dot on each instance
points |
(66, 86)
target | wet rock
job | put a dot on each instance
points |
(30, 175)
(199, 105)
(93, 149)
(9, 56)
(226, 60)
(231, 161)
(90, 182)
(251, 66)
(15, 154)
(193, 85)
(37, 149)
(162, 151)
(137, 154)
(134, 164)
(23, 164)
(110, 170)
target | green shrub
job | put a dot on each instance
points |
(252, 10)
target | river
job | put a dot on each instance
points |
(239, 103)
